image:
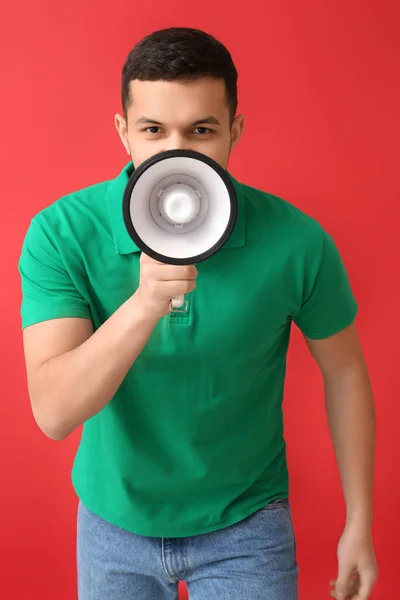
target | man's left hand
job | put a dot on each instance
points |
(358, 568)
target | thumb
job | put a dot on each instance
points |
(342, 582)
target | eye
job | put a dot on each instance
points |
(153, 130)
(203, 130)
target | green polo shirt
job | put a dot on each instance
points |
(193, 439)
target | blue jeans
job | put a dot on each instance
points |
(254, 559)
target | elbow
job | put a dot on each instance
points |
(53, 430)
(54, 433)
(53, 426)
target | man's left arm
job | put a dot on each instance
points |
(351, 418)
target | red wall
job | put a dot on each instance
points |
(319, 85)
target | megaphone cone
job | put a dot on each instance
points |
(180, 208)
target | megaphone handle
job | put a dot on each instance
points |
(177, 303)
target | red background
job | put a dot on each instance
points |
(319, 85)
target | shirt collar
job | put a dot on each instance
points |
(122, 240)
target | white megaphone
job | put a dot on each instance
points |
(180, 207)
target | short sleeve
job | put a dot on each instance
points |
(48, 291)
(329, 305)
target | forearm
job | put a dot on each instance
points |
(351, 417)
(78, 384)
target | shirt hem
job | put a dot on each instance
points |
(173, 533)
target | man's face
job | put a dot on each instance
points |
(191, 115)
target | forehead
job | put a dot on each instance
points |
(178, 101)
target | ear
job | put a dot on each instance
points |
(122, 128)
(237, 129)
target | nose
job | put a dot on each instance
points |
(177, 142)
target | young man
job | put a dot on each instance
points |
(181, 470)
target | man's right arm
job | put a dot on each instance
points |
(73, 373)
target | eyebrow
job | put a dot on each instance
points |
(209, 120)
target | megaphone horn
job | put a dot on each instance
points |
(180, 207)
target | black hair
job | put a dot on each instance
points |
(180, 53)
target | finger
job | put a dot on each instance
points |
(347, 597)
(145, 258)
(174, 273)
(171, 289)
(354, 577)
(342, 583)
